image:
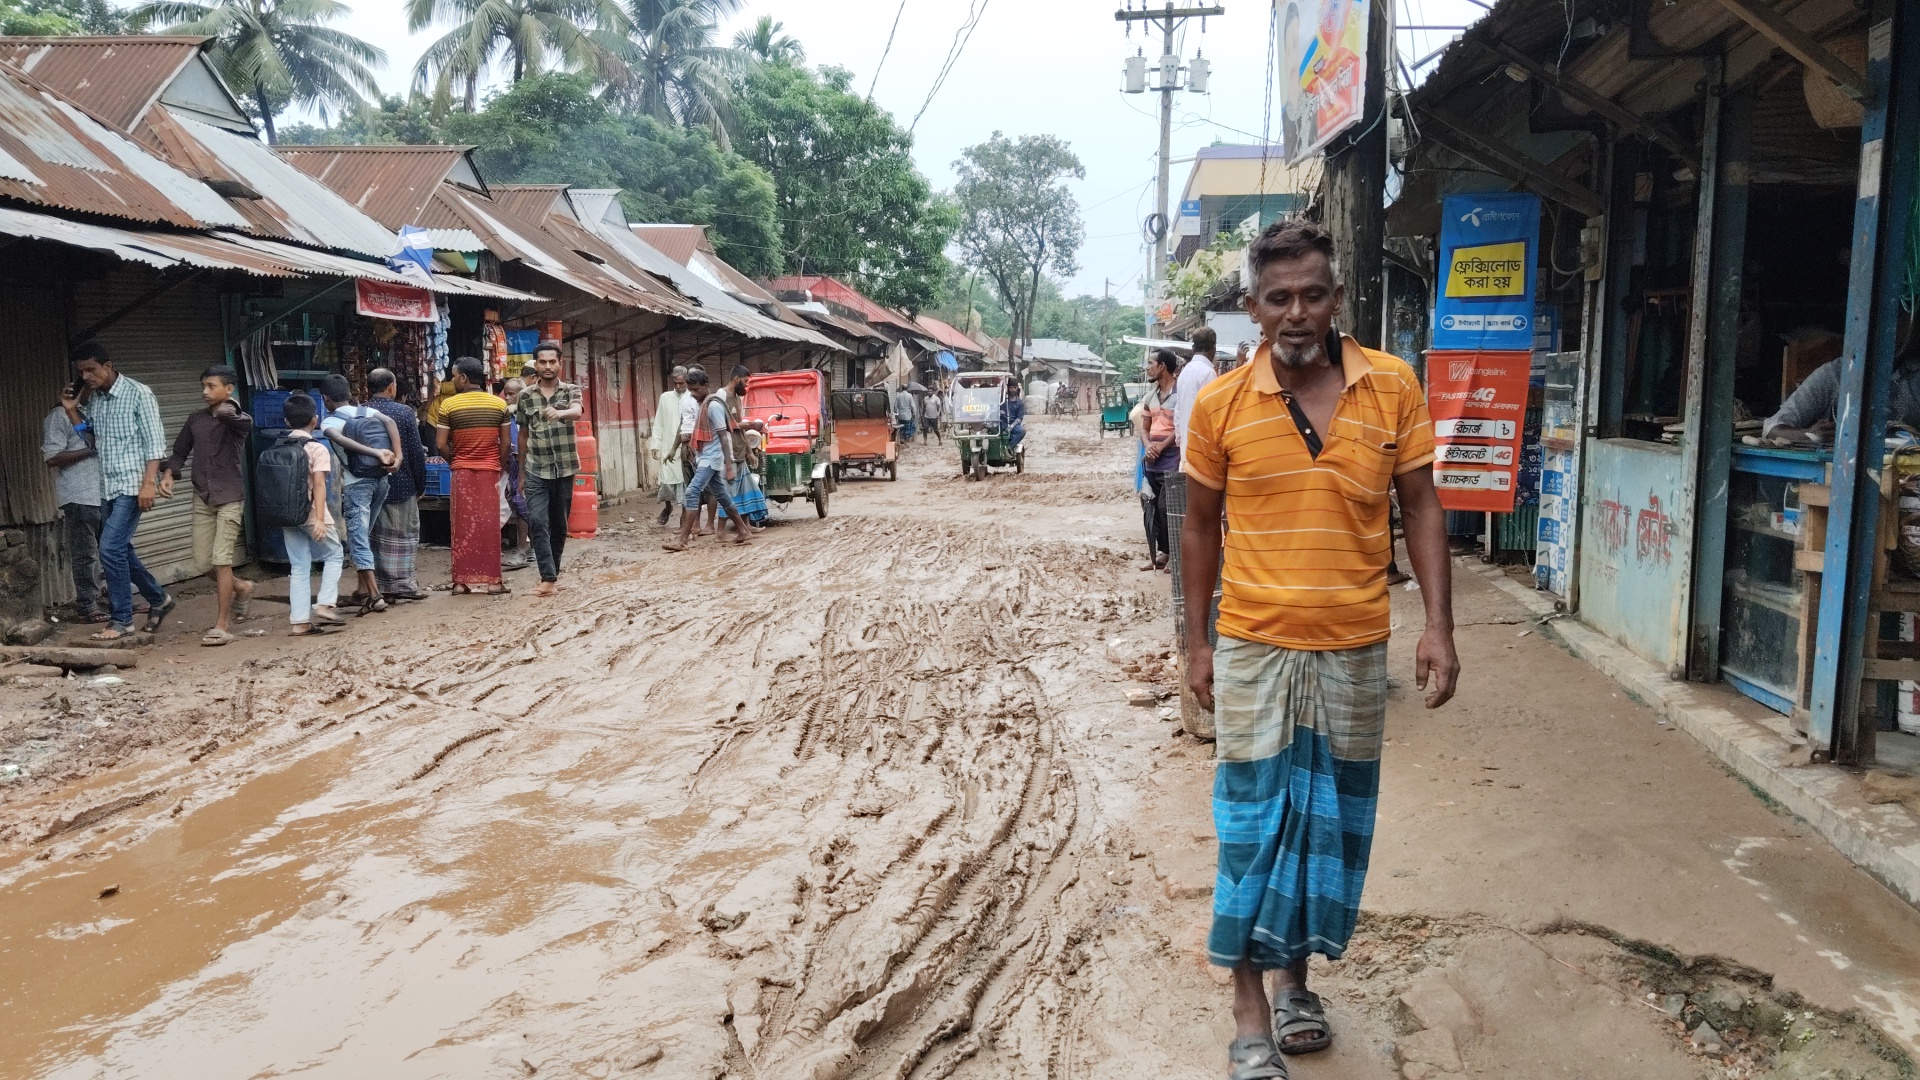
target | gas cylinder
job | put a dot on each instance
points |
(588, 446)
(583, 519)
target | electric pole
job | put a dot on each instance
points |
(1355, 181)
(1166, 20)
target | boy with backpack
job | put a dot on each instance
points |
(365, 439)
(212, 440)
(290, 491)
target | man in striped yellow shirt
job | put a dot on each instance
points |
(1296, 450)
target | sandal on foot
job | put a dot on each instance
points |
(1300, 1022)
(93, 618)
(215, 637)
(111, 633)
(1254, 1057)
(158, 615)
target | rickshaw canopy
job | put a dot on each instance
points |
(870, 403)
(977, 397)
(791, 404)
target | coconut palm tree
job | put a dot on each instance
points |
(768, 42)
(583, 34)
(671, 69)
(274, 53)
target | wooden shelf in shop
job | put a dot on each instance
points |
(1783, 600)
(1768, 531)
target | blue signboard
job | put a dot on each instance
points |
(1489, 248)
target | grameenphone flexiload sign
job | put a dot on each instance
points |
(1489, 252)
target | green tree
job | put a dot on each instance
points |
(274, 53)
(769, 43)
(850, 203)
(391, 120)
(52, 18)
(552, 129)
(529, 32)
(670, 67)
(1018, 221)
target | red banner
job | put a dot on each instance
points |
(1479, 406)
(401, 303)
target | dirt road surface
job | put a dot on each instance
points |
(868, 800)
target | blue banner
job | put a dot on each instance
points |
(1489, 250)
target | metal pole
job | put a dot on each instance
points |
(1693, 395)
(1166, 153)
(1835, 730)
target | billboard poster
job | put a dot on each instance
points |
(1489, 251)
(1479, 406)
(1323, 71)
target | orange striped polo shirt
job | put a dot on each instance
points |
(1308, 539)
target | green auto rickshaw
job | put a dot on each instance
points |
(988, 423)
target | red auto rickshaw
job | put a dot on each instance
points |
(863, 433)
(797, 458)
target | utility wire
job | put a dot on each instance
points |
(887, 50)
(960, 39)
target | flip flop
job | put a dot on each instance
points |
(93, 618)
(1300, 1022)
(111, 633)
(215, 637)
(1254, 1057)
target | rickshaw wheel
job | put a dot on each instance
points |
(893, 471)
(1020, 462)
(819, 498)
(980, 467)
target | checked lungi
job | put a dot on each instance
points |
(1295, 784)
(396, 546)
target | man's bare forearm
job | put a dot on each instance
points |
(1200, 541)
(1426, 527)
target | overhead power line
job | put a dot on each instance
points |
(883, 52)
(960, 39)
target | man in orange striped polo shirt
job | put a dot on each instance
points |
(1297, 451)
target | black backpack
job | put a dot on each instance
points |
(281, 495)
(363, 425)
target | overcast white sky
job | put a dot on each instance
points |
(1031, 67)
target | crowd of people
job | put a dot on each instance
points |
(342, 484)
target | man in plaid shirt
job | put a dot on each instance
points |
(548, 459)
(131, 444)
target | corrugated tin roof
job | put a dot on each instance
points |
(817, 312)
(946, 335)
(116, 78)
(307, 210)
(676, 242)
(53, 154)
(161, 250)
(391, 184)
(838, 292)
(530, 201)
(462, 240)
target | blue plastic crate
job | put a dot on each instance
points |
(270, 408)
(439, 480)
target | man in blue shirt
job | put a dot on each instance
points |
(396, 530)
(131, 444)
(362, 495)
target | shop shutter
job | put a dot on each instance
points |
(164, 343)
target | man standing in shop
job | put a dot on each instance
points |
(66, 444)
(365, 440)
(213, 439)
(549, 458)
(127, 435)
(396, 531)
(1298, 449)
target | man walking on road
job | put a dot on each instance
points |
(396, 531)
(1298, 448)
(66, 444)
(713, 462)
(930, 409)
(366, 441)
(214, 439)
(666, 431)
(549, 458)
(125, 418)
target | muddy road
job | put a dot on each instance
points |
(864, 800)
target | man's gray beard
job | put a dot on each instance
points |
(1302, 357)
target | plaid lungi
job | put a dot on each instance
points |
(1297, 775)
(396, 546)
(1174, 491)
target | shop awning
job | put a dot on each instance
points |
(227, 251)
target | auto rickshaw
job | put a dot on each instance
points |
(1114, 407)
(979, 423)
(863, 433)
(797, 458)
